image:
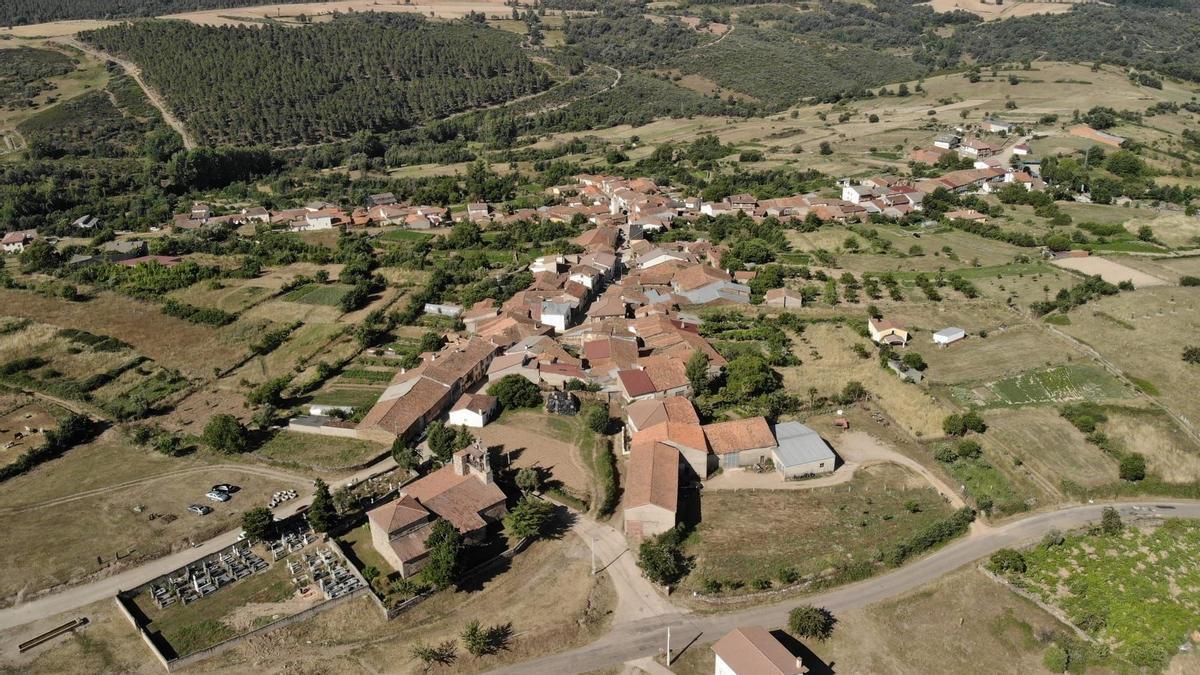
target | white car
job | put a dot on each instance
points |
(200, 509)
(218, 496)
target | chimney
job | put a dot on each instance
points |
(460, 463)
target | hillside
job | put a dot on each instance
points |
(22, 12)
(284, 86)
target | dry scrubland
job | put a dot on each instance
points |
(829, 363)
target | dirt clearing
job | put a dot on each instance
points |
(1111, 271)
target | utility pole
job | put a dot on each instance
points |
(593, 555)
(668, 645)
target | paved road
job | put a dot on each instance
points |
(646, 637)
(85, 594)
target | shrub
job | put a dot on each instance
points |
(1133, 467)
(1110, 521)
(807, 621)
(1007, 560)
(1055, 659)
(224, 433)
(969, 450)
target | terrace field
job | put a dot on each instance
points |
(288, 448)
(1060, 384)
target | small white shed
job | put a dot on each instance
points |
(947, 335)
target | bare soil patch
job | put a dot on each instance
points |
(1111, 271)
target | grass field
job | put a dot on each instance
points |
(751, 534)
(234, 296)
(1046, 444)
(1060, 384)
(311, 450)
(999, 354)
(315, 294)
(1170, 453)
(356, 397)
(1138, 592)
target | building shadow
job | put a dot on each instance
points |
(811, 661)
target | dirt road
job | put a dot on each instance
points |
(85, 594)
(136, 73)
(647, 637)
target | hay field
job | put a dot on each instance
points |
(230, 295)
(174, 343)
(977, 359)
(1050, 446)
(1110, 270)
(834, 364)
(73, 360)
(1059, 384)
(1169, 452)
(990, 11)
(1144, 333)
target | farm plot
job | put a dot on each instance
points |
(1170, 454)
(746, 535)
(233, 296)
(1144, 333)
(320, 452)
(1048, 445)
(1110, 270)
(23, 424)
(318, 294)
(1137, 591)
(174, 343)
(1060, 384)
(530, 439)
(1000, 353)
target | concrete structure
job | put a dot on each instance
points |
(947, 335)
(801, 451)
(473, 410)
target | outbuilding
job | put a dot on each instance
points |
(947, 335)
(801, 451)
(473, 410)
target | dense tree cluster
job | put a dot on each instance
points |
(21, 12)
(377, 72)
(24, 71)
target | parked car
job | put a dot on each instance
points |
(200, 509)
(218, 496)
(224, 487)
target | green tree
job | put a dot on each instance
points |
(697, 373)
(224, 433)
(595, 415)
(913, 360)
(406, 456)
(431, 341)
(1132, 467)
(39, 256)
(258, 523)
(1055, 659)
(528, 517)
(481, 641)
(322, 514)
(528, 479)
(661, 559)
(1110, 521)
(444, 545)
(514, 391)
(748, 376)
(1191, 354)
(807, 621)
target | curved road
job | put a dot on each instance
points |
(647, 637)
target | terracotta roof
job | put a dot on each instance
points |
(653, 477)
(458, 499)
(738, 435)
(454, 363)
(698, 276)
(478, 403)
(676, 434)
(398, 514)
(648, 413)
(636, 382)
(665, 371)
(754, 650)
(397, 416)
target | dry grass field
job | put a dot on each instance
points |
(1169, 453)
(999, 354)
(309, 450)
(451, 9)
(1048, 445)
(1144, 333)
(955, 625)
(1110, 270)
(175, 343)
(990, 11)
(23, 426)
(104, 531)
(750, 534)
(829, 363)
(533, 439)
